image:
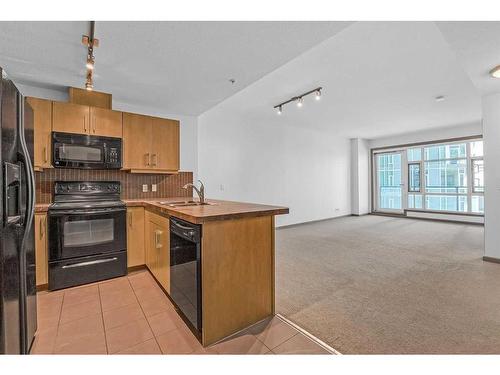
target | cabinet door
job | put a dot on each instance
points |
(165, 144)
(105, 122)
(135, 236)
(41, 249)
(136, 141)
(42, 113)
(70, 118)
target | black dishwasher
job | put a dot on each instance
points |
(185, 270)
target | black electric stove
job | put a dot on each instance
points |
(87, 233)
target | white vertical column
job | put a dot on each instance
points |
(491, 138)
(360, 181)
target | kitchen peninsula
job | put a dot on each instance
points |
(237, 256)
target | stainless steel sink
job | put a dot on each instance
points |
(184, 203)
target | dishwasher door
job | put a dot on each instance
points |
(185, 270)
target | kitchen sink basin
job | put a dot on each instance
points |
(185, 203)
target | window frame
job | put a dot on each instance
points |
(468, 193)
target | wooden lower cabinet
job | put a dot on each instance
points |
(158, 248)
(135, 237)
(41, 249)
(237, 275)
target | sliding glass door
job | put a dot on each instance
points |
(389, 182)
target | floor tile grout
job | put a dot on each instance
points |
(102, 317)
(145, 316)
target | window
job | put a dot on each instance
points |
(414, 177)
(477, 176)
(446, 177)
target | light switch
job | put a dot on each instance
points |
(153, 187)
(145, 188)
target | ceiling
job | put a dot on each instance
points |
(477, 47)
(379, 79)
(177, 67)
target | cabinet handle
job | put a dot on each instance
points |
(148, 159)
(93, 124)
(40, 235)
(45, 154)
(158, 234)
(130, 219)
(85, 124)
(155, 159)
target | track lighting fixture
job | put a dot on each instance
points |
(90, 42)
(299, 99)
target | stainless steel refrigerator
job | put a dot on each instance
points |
(17, 207)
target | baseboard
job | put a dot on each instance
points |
(136, 268)
(42, 287)
(491, 259)
(312, 221)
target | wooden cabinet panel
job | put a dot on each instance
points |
(165, 144)
(105, 122)
(41, 247)
(135, 236)
(42, 113)
(136, 141)
(242, 250)
(70, 118)
(158, 251)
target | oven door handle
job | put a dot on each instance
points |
(85, 212)
(177, 224)
(90, 263)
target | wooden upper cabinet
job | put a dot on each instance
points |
(42, 113)
(105, 122)
(165, 144)
(70, 118)
(136, 142)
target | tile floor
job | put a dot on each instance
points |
(132, 315)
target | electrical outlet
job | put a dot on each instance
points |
(145, 188)
(221, 187)
(153, 187)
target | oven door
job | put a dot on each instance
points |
(84, 232)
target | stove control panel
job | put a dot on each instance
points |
(85, 187)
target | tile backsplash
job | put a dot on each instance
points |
(167, 185)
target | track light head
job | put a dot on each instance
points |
(318, 95)
(280, 110)
(300, 102)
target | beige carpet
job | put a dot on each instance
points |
(377, 284)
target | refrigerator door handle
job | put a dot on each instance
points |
(24, 156)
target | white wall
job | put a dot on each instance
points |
(491, 137)
(270, 162)
(436, 134)
(360, 174)
(188, 129)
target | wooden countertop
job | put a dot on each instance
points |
(216, 210)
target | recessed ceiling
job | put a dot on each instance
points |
(477, 47)
(378, 78)
(177, 67)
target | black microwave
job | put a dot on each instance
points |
(86, 151)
